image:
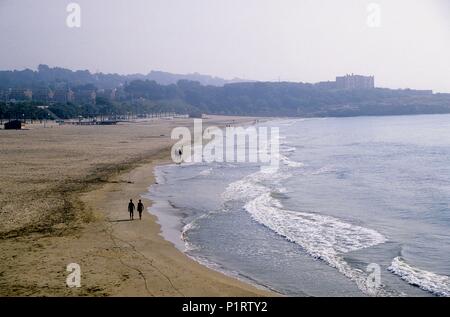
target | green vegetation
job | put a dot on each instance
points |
(72, 94)
(291, 99)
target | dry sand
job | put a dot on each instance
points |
(63, 197)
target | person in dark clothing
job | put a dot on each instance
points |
(179, 152)
(140, 209)
(131, 208)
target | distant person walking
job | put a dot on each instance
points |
(131, 208)
(180, 154)
(140, 209)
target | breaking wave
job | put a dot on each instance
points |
(322, 237)
(428, 281)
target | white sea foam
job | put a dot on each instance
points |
(436, 284)
(249, 187)
(252, 186)
(323, 237)
(290, 163)
(188, 246)
(324, 170)
(185, 230)
(205, 172)
(320, 235)
(287, 149)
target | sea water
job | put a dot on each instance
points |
(349, 193)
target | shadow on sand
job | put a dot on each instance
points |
(121, 220)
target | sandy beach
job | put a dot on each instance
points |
(64, 192)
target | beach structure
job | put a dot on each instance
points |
(13, 125)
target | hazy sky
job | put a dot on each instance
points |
(296, 40)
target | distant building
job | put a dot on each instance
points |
(19, 94)
(58, 95)
(355, 82)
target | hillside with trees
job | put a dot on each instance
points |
(71, 94)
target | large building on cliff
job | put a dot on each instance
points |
(355, 82)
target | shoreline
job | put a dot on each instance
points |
(182, 275)
(215, 282)
(74, 184)
(172, 231)
(171, 228)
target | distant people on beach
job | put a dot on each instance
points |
(179, 152)
(140, 208)
(131, 208)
